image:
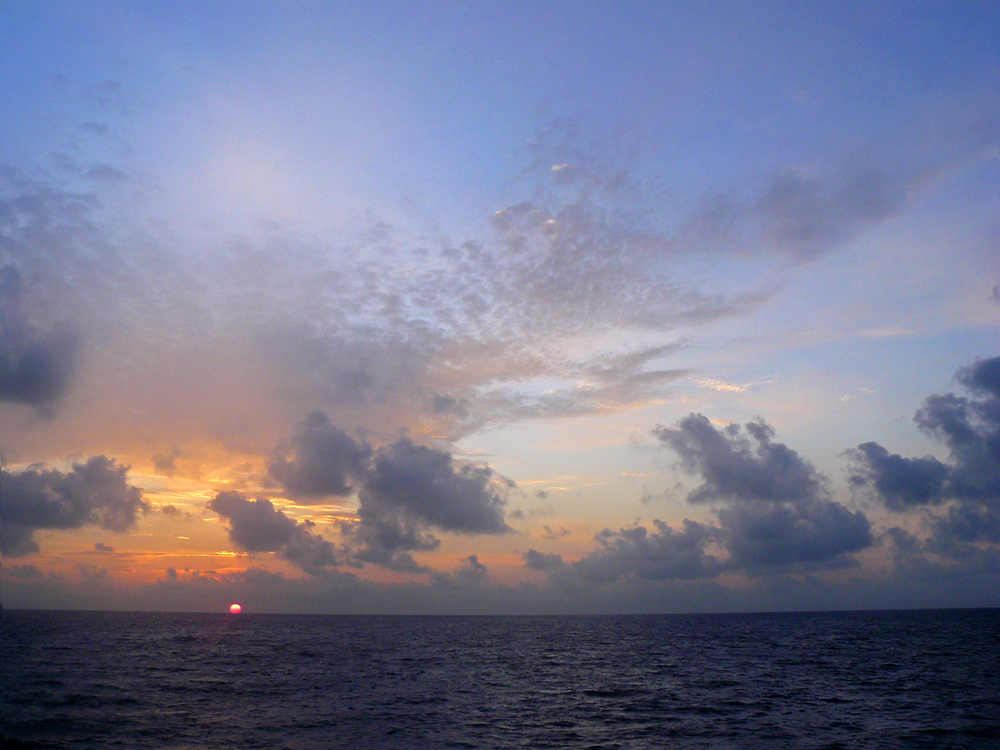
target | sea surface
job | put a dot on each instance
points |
(906, 679)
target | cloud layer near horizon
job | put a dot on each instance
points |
(404, 490)
(969, 426)
(94, 492)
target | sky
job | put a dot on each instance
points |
(548, 307)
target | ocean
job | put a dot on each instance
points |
(899, 679)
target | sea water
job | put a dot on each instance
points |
(907, 679)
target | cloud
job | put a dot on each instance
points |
(899, 482)
(384, 546)
(471, 570)
(738, 467)
(966, 523)
(662, 554)
(325, 460)
(982, 377)
(405, 491)
(802, 534)
(535, 560)
(444, 404)
(580, 265)
(774, 515)
(377, 327)
(426, 483)
(95, 492)
(35, 366)
(385, 535)
(970, 428)
(166, 463)
(807, 216)
(802, 214)
(551, 533)
(775, 511)
(257, 526)
(106, 173)
(412, 488)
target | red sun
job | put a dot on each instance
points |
(235, 608)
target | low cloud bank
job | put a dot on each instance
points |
(405, 491)
(95, 492)
(776, 516)
(969, 426)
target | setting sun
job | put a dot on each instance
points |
(235, 608)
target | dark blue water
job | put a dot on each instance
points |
(915, 679)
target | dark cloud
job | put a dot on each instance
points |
(949, 418)
(774, 514)
(95, 492)
(405, 491)
(662, 554)
(775, 510)
(970, 428)
(535, 560)
(102, 547)
(737, 466)
(385, 536)
(759, 538)
(426, 484)
(377, 553)
(257, 526)
(983, 376)
(324, 460)
(35, 366)
(967, 522)
(471, 570)
(803, 534)
(27, 572)
(411, 488)
(254, 525)
(899, 482)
